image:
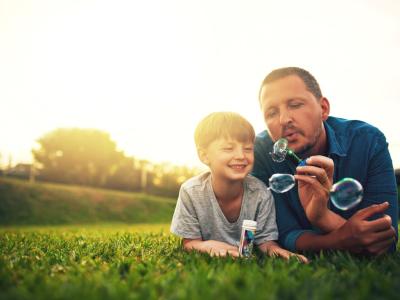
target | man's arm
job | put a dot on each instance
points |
(357, 235)
(368, 230)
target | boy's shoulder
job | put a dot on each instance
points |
(255, 184)
(197, 182)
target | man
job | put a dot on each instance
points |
(294, 108)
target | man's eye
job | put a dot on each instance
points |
(271, 114)
(248, 149)
(227, 148)
(295, 105)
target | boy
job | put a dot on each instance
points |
(212, 206)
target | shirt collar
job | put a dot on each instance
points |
(334, 146)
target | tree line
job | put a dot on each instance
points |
(90, 157)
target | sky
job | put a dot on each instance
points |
(148, 71)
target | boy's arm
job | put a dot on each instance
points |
(214, 248)
(271, 248)
(185, 223)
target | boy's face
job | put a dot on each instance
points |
(229, 159)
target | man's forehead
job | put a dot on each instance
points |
(284, 89)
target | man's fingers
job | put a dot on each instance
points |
(380, 247)
(314, 182)
(388, 234)
(381, 224)
(317, 173)
(323, 162)
(369, 211)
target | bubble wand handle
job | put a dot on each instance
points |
(297, 160)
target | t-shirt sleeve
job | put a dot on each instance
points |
(266, 221)
(185, 223)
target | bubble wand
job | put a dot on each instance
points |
(344, 194)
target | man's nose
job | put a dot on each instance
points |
(285, 117)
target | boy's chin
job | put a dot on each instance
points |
(238, 174)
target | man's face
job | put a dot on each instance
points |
(293, 112)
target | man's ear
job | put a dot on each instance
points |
(325, 108)
(203, 156)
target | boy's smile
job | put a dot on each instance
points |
(229, 159)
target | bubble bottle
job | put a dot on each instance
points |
(249, 228)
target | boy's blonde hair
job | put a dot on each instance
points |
(227, 125)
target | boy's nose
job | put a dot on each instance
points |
(239, 153)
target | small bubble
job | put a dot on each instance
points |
(279, 150)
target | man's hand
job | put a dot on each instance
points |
(274, 250)
(214, 248)
(359, 235)
(314, 184)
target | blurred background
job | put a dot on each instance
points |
(107, 94)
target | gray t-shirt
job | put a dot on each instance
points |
(198, 215)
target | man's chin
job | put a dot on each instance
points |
(300, 149)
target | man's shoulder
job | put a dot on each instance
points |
(262, 142)
(346, 134)
(351, 127)
(263, 137)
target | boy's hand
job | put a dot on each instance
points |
(274, 250)
(214, 248)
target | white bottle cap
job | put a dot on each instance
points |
(249, 223)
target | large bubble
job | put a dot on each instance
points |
(281, 183)
(346, 193)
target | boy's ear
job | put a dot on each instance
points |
(203, 156)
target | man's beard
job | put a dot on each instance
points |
(306, 150)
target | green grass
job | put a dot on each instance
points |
(23, 203)
(146, 262)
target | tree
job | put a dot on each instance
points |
(74, 155)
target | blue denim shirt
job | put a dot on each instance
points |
(359, 151)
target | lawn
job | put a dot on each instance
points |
(146, 262)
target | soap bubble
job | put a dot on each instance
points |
(281, 183)
(346, 193)
(279, 151)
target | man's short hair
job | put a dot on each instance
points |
(227, 125)
(309, 80)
